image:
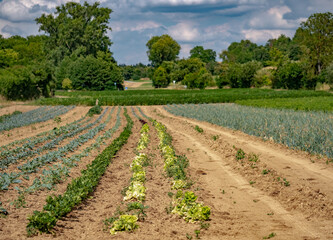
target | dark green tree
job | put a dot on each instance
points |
(315, 36)
(162, 48)
(206, 55)
(244, 51)
(160, 78)
(75, 26)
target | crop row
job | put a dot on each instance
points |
(162, 97)
(136, 190)
(307, 131)
(324, 104)
(10, 156)
(34, 116)
(58, 173)
(53, 156)
(184, 203)
(79, 189)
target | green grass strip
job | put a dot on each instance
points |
(79, 189)
(163, 97)
(305, 103)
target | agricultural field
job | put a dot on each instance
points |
(162, 97)
(206, 171)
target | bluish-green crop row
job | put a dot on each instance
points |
(308, 131)
(37, 115)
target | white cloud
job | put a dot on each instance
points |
(134, 26)
(274, 19)
(261, 36)
(184, 31)
(27, 10)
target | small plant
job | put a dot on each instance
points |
(215, 137)
(20, 201)
(95, 110)
(197, 234)
(188, 236)
(240, 154)
(270, 214)
(204, 225)
(270, 236)
(252, 182)
(198, 129)
(253, 157)
(286, 183)
(57, 120)
(265, 171)
(170, 194)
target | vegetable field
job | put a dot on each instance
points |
(166, 172)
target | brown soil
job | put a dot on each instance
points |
(245, 203)
(12, 108)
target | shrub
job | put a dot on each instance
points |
(95, 110)
(329, 75)
(67, 84)
(263, 77)
(289, 75)
(160, 78)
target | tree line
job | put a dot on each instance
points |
(74, 53)
(291, 63)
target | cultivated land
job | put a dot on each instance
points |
(254, 188)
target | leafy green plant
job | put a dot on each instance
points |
(265, 171)
(79, 189)
(95, 110)
(125, 223)
(240, 154)
(270, 236)
(198, 129)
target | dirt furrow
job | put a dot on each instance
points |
(295, 223)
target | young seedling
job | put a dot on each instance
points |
(270, 236)
(240, 154)
(198, 129)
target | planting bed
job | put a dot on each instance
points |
(145, 173)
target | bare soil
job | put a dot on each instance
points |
(248, 199)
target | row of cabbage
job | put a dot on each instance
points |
(38, 162)
(58, 173)
(307, 131)
(36, 145)
(79, 189)
(40, 114)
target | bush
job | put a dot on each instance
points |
(95, 110)
(263, 77)
(160, 78)
(289, 75)
(67, 84)
(23, 83)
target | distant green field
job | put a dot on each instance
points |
(163, 97)
(305, 103)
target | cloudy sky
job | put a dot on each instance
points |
(213, 24)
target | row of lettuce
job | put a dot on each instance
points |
(184, 202)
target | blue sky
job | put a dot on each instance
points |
(213, 24)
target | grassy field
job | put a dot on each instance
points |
(162, 97)
(305, 103)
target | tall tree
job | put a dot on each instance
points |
(162, 48)
(244, 51)
(206, 55)
(316, 34)
(74, 26)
